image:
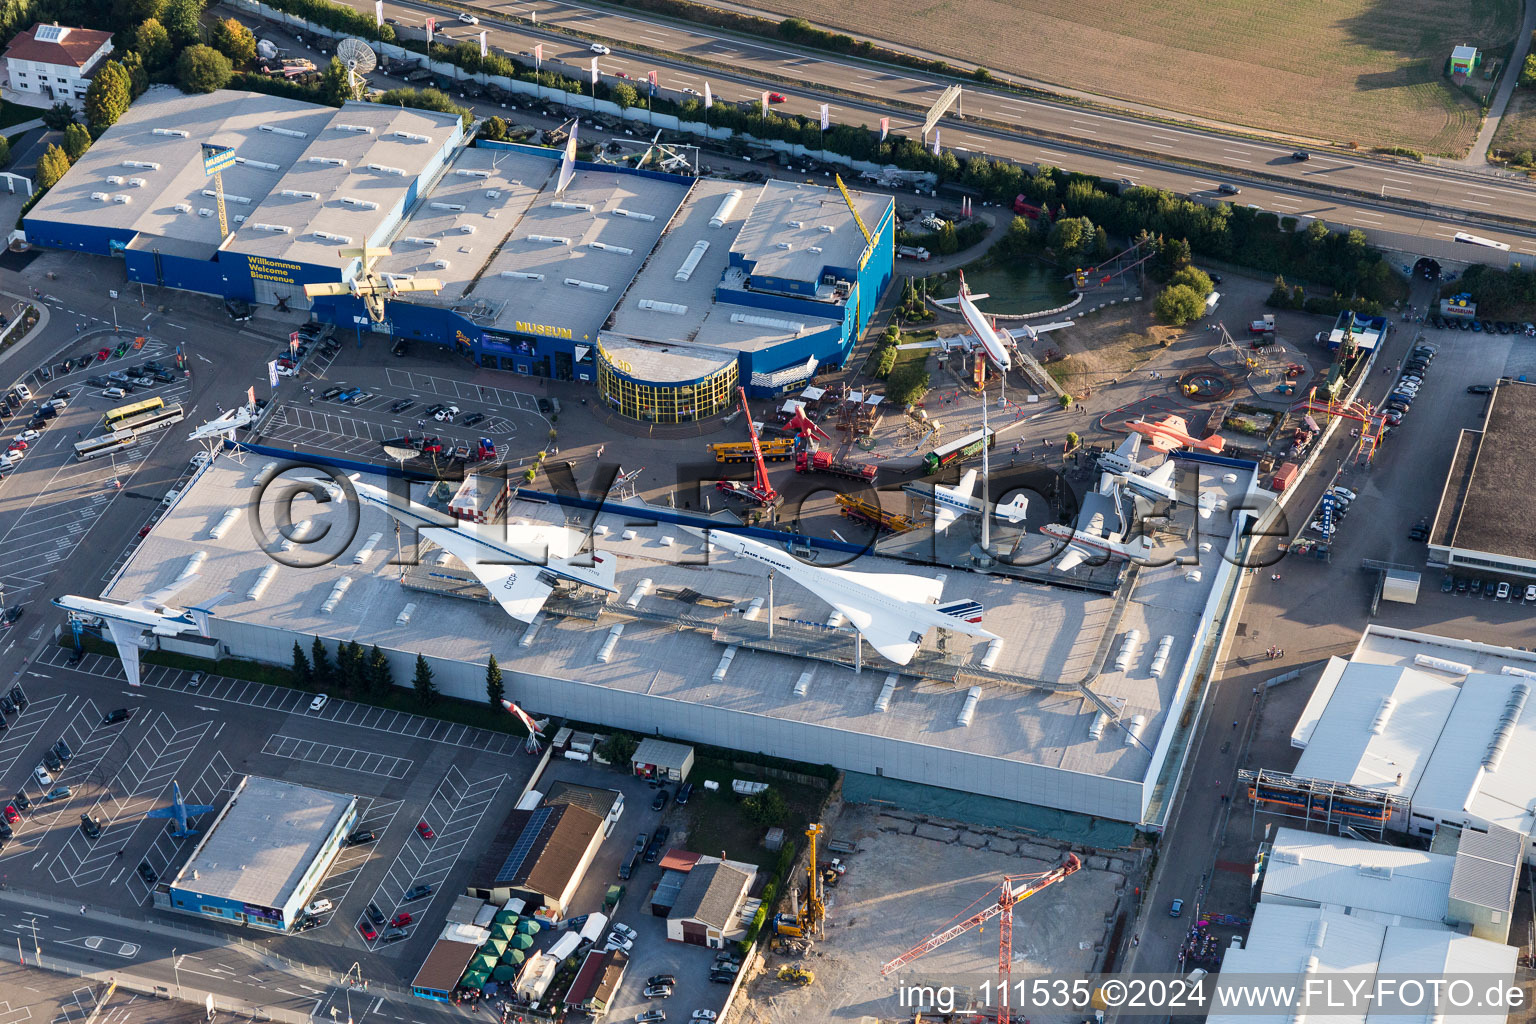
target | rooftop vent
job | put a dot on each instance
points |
(1160, 658)
(1127, 652)
(230, 518)
(676, 308)
(101, 197)
(472, 172)
(205, 211)
(404, 618)
(726, 207)
(797, 224)
(1383, 715)
(262, 582)
(115, 179)
(137, 182)
(605, 653)
(331, 237)
(441, 264)
(621, 212)
(968, 710)
(386, 169)
(549, 239)
(793, 326)
(1455, 668)
(725, 663)
(613, 248)
(194, 562)
(292, 133)
(492, 193)
(148, 165)
(361, 204)
(281, 229)
(260, 165)
(337, 593)
(887, 691)
(326, 161)
(1133, 729)
(1505, 730)
(412, 137)
(803, 684)
(785, 245)
(641, 589)
(993, 652)
(522, 275)
(242, 200)
(591, 286)
(451, 207)
(360, 128)
(825, 228)
(561, 204)
(418, 240)
(466, 229)
(184, 207)
(691, 263)
(294, 193)
(366, 551)
(814, 248)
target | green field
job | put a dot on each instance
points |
(1362, 71)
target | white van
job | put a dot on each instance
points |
(114, 393)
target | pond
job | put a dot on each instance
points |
(1016, 286)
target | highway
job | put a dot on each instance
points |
(1112, 146)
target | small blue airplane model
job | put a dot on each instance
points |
(179, 812)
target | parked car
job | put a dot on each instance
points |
(657, 991)
(361, 836)
(425, 831)
(62, 749)
(319, 907)
(90, 826)
(367, 930)
(1176, 908)
(1502, 594)
(400, 919)
(617, 941)
(703, 1015)
(61, 793)
(661, 979)
(376, 915)
(1447, 583)
(473, 418)
(330, 393)
(147, 873)
(22, 802)
(395, 935)
(12, 815)
(650, 1017)
(662, 796)
(1530, 595)
(1479, 389)
(416, 892)
(402, 405)
(51, 760)
(319, 703)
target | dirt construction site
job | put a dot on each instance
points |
(914, 876)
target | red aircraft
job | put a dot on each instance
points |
(1173, 432)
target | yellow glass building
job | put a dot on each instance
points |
(665, 383)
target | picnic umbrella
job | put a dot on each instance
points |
(522, 941)
(513, 956)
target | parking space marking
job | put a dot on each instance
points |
(332, 756)
(23, 727)
(9, 1015)
(376, 816)
(141, 784)
(215, 782)
(298, 426)
(448, 387)
(454, 812)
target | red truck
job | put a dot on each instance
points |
(1284, 476)
(822, 462)
(1024, 208)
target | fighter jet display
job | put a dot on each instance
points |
(179, 812)
(893, 611)
(950, 503)
(1172, 432)
(519, 564)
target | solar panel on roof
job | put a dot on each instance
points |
(50, 33)
(524, 844)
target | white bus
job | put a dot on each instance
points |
(1462, 236)
(152, 420)
(107, 444)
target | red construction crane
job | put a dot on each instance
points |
(1014, 889)
(761, 489)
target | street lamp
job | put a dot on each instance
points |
(176, 971)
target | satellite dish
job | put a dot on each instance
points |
(359, 59)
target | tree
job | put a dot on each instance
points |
(108, 97)
(1178, 304)
(59, 116)
(1197, 279)
(77, 139)
(348, 668)
(1072, 236)
(303, 676)
(907, 384)
(1528, 73)
(336, 83)
(5, 151)
(133, 11)
(153, 43)
(494, 130)
(321, 660)
(202, 69)
(766, 808)
(51, 166)
(619, 747)
(181, 19)
(138, 77)
(380, 678)
(426, 690)
(623, 94)
(494, 690)
(234, 41)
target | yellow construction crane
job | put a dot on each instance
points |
(868, 238)
(370, 286)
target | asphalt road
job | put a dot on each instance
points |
(1034, 131)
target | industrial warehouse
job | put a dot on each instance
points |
(667, 292)
(1075, 707)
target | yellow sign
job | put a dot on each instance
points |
(463, 340)
(523, 327)
(271, 270)
(617, 364)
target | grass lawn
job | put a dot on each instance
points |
(1365, 71)
(716, 821)
(1517, 129)
(15, 113)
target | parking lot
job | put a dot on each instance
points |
(404, 768)
(396, 401)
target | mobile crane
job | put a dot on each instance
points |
(760, 489)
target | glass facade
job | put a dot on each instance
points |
(666, 403)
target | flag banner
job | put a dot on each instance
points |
(293, 342)
(885, 128)
(765, 101)
(482, 44)
(272, 373)
(651, 77)
(378, 12)
(250, 395)
(538, 53)
(431, 29)
(709, 100)
(826, 117)
(935, 142)
(568, 161)
(594, 71)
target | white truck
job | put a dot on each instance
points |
(913, 252)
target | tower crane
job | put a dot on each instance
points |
(1014, 889)
(760, 489)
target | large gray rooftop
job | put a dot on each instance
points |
(1484, 498)
(1030, 709)
(349, 181)
(264, 842)
(689, 311)
(155, 150)
(790, 221)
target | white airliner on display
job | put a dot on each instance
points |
(996, 343)
(518, 564)
(1100, 531)
(127, 623)
(893, 611)
(950, 503)
(224, 426)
